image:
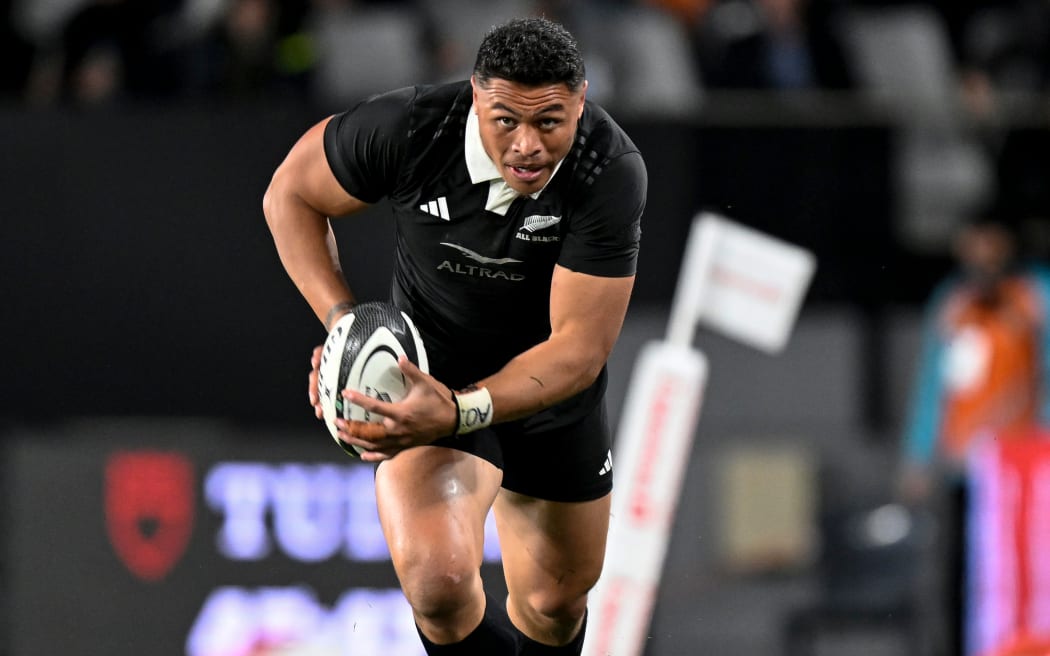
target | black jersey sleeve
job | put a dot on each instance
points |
(366, 145)
(605, 228)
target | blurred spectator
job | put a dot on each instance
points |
(459, 25)
(363, 48)
(689, 12)
(112, 48)
(772, 44)
(983, 374)
(236, 57)
(1010, 42)
(1005, 50)
(985, 364)
(639, 54)
(905, 66)
(98, 51)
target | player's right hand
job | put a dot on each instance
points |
(425, 414)
(314, 396)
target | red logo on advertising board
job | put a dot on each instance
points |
(149, 510)
(609, 616)
(642, 504)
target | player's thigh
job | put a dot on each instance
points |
(552, 551)
(432, 504)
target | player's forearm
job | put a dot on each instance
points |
(587, 314)
(543, 376)
(307, 249)
(302, 194)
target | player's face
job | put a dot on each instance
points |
(527, 130)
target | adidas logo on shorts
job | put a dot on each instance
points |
(607, 467)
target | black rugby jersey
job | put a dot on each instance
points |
(476, 283)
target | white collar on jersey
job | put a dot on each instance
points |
(481, 168)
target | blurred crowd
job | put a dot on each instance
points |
(649, 53)
(950, 74)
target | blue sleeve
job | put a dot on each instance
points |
(923, 426)
(1040, 276)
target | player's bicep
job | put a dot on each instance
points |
(306, 177)
(588, 311)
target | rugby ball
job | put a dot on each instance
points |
(361, 353)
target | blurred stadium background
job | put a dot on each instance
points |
(151, 329)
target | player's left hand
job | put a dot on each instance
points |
(311, 383)
(425, 414)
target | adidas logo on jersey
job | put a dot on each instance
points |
(607, 467)
(438, 208)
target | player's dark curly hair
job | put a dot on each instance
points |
(530, 51)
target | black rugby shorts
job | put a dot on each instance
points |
(547, 457)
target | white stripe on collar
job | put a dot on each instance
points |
(481, 169)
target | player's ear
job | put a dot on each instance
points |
(474, 89)
(583, 97)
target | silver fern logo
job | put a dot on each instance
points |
(539, 222)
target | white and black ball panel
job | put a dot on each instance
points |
(373, 371)
(361, 354)
(420, 356)
(328, 387)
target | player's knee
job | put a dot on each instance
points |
(436, 591)
(558, 606)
